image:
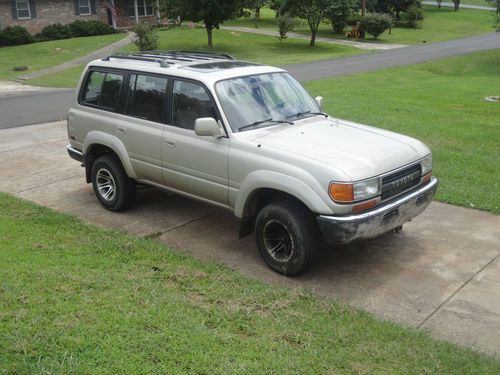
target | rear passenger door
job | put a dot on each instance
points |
(141, 125)
(193, 164)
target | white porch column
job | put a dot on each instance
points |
(158, 12)
(136, 12)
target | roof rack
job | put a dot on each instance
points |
(162, 62)
(192, 54)
(166, 58)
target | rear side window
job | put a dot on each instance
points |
(146, 97)
(102, 89)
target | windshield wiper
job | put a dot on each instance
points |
(299, 114)
(257, 123)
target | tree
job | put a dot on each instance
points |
(212, 12)
(313, 11)
(456, 4)
(339, 13)
(285, 24)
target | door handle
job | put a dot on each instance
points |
(170, 143)
(120, 129)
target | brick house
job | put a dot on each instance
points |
(36, 14)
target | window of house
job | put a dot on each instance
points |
(23, 9)
(190, 101)
(146, 97)
(144, 8)
(102, 90)
(84, 7)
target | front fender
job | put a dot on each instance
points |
(105, 139)
(278, 181)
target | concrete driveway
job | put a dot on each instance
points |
(440, 274)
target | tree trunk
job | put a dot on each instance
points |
(313, 37)
(209, 36)
(457, 4)
(257, 13)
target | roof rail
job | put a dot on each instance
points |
(195, 54)
(162, 62)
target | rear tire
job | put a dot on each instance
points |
(112, 187)
(287, 237)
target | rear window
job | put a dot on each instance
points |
(146, 97)
(102, 89)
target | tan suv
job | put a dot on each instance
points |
(248, 138)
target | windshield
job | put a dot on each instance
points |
(263, 100)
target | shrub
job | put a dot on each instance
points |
(89, 28)
(413, 15)
(339, 14)
(376, 23)
(285, 24)
(56, 31)
(15, 35)
(146, 37)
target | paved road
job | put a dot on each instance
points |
(42, 107)
(462, 6)
(396, 57)
(440, 274)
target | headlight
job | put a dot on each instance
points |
(357, 191)
(426, 164)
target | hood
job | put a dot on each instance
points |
(359, 151)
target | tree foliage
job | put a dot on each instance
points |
(313, 11)
(392, 7)
(496, 14)
(376, 23)
(211, 12)
(339, 14)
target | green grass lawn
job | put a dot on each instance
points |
(438, 25)
(244, 46)
(442, 104)
(83, 300)
(41, 55)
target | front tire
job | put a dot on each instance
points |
(112, 187)
(287, 237)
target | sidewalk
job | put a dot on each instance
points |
(440, 274)
(345, 42)
(107, 50)
(462, 6)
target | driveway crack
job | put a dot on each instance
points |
(456, 291)
(161, 233)
(45, 184)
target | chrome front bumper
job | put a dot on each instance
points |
(373, 223)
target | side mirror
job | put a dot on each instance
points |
(207, 126)
(319, 102)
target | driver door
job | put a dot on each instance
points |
(193, 164)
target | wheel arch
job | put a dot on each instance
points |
(263, 188)
(99, 143)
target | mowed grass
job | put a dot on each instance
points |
(42, 55)
(438, 25)
(244, 46)
(442, 103)
(79, 299)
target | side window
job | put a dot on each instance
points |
(190, 101)
(103, 90)
(146, 97)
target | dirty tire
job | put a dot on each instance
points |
(112, 187)
(287, 237)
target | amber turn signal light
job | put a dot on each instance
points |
(341, 192)
(426, 178)
(364, 206)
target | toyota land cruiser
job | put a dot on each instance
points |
(248, 138)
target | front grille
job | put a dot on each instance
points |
(400, 181)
